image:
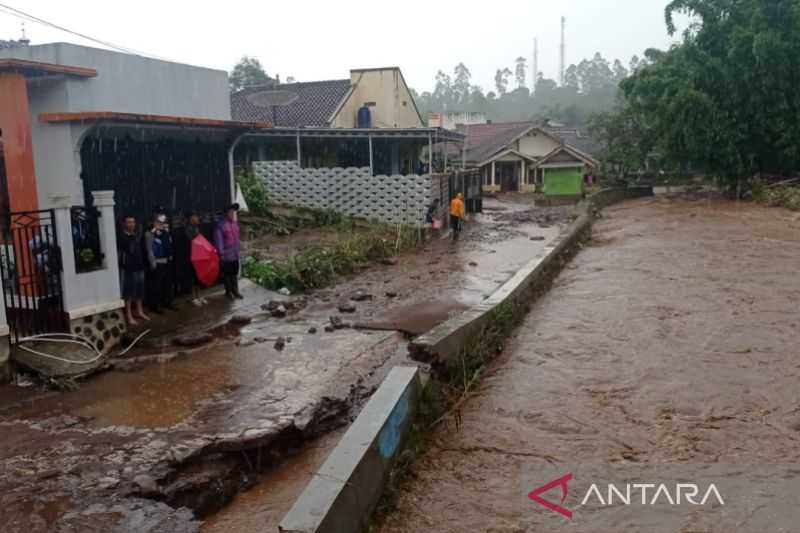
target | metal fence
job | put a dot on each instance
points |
(30, 268)
(86, 239)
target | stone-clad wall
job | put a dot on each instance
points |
(389, 199)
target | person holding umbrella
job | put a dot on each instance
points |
(193, 232)
(228, 242)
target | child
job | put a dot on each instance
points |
(192, 231)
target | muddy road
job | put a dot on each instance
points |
(172, 433)
(672, 339)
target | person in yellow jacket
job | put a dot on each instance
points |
(457, 215)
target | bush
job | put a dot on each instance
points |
(254, 192)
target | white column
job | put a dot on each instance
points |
(104, 202)
(493, 175)
(522, 176)
(430, 154)
(69, 278)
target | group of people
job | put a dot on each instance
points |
(458, 215)
(147, 261)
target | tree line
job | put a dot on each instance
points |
(589, 87)
(723, 101)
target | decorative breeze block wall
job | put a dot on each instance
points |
(389, 199)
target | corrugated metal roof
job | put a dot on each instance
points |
(292, 105)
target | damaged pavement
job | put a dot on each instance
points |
(215, 397)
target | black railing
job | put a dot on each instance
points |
(30, 267)
(86, 239)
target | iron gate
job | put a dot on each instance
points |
(30, 268)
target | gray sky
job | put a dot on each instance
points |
(324, 39)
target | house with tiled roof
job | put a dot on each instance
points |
(526, 156)
(380, 96)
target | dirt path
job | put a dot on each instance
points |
(672, 339)
(191, 427)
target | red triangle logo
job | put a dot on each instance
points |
(562, 482)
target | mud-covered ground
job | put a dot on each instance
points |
(171, 433)
(672, 339)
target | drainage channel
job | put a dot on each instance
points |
(261, 508)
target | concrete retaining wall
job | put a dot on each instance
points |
(341, 496)
(354, 191)
(448, 339)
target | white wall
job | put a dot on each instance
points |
(537, 144)
(388, 90)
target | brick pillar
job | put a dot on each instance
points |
(15, 124)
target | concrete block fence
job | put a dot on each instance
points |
(353, 191)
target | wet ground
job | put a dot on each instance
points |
(671, 340)
(176, 426)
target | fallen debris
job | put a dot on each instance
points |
(240, 320)
(312, 331)
(537, 238)
(391, 294)
(347, 308)
(361, 297)
(338, 323)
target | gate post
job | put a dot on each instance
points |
(61, 212)
(104, 202)
(5, 342)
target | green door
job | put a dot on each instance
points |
(563, 181)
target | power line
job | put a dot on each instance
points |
(32, 18)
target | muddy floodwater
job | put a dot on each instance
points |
(672, 339)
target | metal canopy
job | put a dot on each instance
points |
(438, 134)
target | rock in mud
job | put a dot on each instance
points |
(537, 238)
(285, 291)
(312, 331)
(260, 340)
(330, 329)
(279, 312)
(189, 341)
(146, 485)
(361, 296)
(347, 308)
(240, 320)
(338, 323)
(473, 264)
(389, 261)
(391, 294)
(280, 344)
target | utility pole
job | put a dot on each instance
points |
(563, 50)
(535, 64)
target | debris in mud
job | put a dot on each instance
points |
(389, 261)
(330, 329)
(280, 344)
(146, 485)
(391, 294)
(338, 323)
(312, 331)
(285, 291)
(190, 341)
(260, 340)
(244, 343)
(537, 238)
(473, 264)
(279, 312)
(361, 296)
(240, 320)
(347, 308)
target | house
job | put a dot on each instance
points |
(332, 104)
(86, 132)
(525, 156)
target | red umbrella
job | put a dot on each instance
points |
(205, 260)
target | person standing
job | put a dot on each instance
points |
(457, 215)
(192, 231)
(228, 242)
(158, 243)
(130, 249)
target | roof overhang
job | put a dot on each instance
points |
(156, 120)
(504, 153)
(577, 154)
(436, 135)
(37, 68)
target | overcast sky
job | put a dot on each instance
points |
(323, 39)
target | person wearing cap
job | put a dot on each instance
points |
(228, 242)
(158, 244)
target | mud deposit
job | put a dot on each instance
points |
(672, 340)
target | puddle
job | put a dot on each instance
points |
(417, 318)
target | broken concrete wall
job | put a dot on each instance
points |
(353, 191)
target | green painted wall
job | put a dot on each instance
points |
(563, 181)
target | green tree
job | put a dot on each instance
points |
(248, 72)
(501, 80)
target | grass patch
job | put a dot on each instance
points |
(781, 196)
(319, 266)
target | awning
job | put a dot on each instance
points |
(37, 68)
(156, 120)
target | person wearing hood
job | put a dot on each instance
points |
(227, 240)
(158, 244)
(457, 215)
